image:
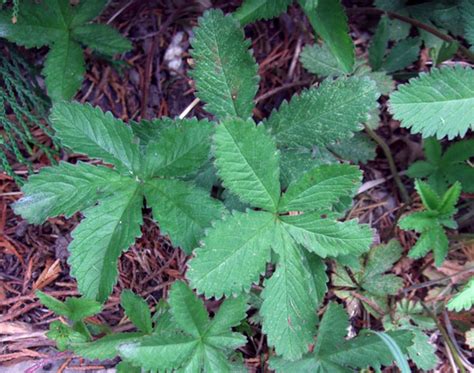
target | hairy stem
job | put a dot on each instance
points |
(391, 163)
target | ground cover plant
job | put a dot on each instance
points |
(298, 243)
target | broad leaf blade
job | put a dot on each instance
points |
(439, 103)
(254, 10)
(464, 300)
(320, 188)
(247, 162)
(104, 348)
(402, 55)
(330, 22)
(107, 230)
(65, 189)
(53, 304)
(182, 210)
(89, 130)
(231, 313)
(87, 10)
(64, 69)
(233, 255)
(379, 43)
(101, 38)
(225, 72)
(321, 116)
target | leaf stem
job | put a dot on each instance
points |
(391, 163)
(414, 22)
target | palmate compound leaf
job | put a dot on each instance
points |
(321, 116)
(111, 226)
(247, 162)
(330, 22)
(234, 251)
(225, 71)
(196, 342)
(333, 353)
(439, 103)
(254, 10)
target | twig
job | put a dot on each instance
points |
(189, 108)
(433, 282)
(369, 302)
(449, 329)
(391, 163)
(416, 23)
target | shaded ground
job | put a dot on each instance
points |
(33, 257)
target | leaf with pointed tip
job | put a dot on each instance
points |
(182, 210)
(75, 309)
(90, 131)
(327, 237)
(182, 147)
(320, 188)
(233, 254)
(254, 10)
(64, 69)
(231, 313)
(188, 311)
(439, 103)
(87, 10)
(65, 189)
(247, 162)
(107, 230)
(321, 116)
(136, 310)
(101, 38)
(467, 14)
(104, 348)
(434, 239)
(402, 55)
(330, 22)
(379, 43)
(225, 71)
(289, 301)
(428, 196)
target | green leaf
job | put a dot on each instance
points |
(326, 237)
(160, 352)
(332, 329)
(104, 348)
(432, 149)
(357, 149)
(136, 310)
(233, 254)
(395, 351)
(379, 43)
(467, 14)
(289, 304)
(65, 189)
(320, 188)
(87, 10)
(321, 116)
(64, 69)
(434, 239)
(182, 210)
(64, 335)
(182, 147)
(75, 309)
(231, 313)
(464, 300)
(101, 38)
(428, 196)
(37, 25)
(438, 103)
(422, 352)
(254, 10)
(402, 55)
(107, 230)
(247, 162)
(225, 72)
(90, 131)
(188, 311)
(319, 60)
(450, 199)
(330, 22)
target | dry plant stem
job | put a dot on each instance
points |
(434, 282)
(447, 339)
(414, 22)
(391, 163)
(449, 329)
